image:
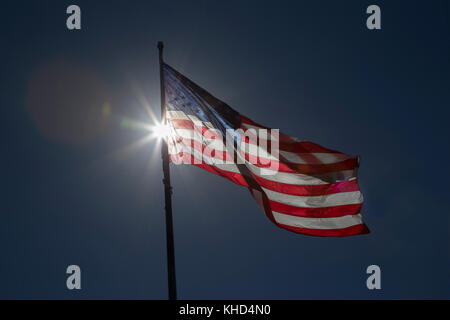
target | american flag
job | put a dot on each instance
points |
(301, 186)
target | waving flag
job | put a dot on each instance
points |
(301, 186)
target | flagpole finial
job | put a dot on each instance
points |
(160, 49)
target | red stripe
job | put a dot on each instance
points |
(312, 166)
(299, 190)
(282, 166)
(267, 163)
(325, 212)
(200, 128)
(286, 143)
(290, 144)
(224, 155)
(348, 164)
(305, 147)
(286, 166)
(185, 157)
(295, 147)
(308, 190)
(350, 231)
(206, 151)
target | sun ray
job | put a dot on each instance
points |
(139, 92)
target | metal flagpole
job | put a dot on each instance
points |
(167, 189)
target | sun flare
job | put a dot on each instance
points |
(161, 130)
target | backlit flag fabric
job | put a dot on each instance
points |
(301, 186)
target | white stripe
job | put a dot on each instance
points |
(297, 158)
(283, 177)
(328, 200)
(218, 144)
(210, 161)
(180, 115)
(175, 148)
(300, 158)
(303, 179)
(203, 158)
(307, 158)
(318, 223)
(257, 150)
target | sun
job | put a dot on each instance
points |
(160, 130)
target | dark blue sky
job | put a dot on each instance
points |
(74, 193)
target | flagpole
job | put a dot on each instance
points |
(167, 189)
